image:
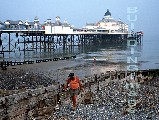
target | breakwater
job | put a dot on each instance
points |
(5, 64)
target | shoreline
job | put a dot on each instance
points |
(57, 70)
(32, 76)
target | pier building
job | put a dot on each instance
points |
(10, 24)
(58, 27)
(21, 25)
(107, 24)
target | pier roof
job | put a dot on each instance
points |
(29, 23)
(66, 25)
(57, 23)
(107, 13)
(11, 22)
(107, 20)
(36, 18)
(1, 23)
(120, 22)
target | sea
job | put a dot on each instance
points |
(143, 56)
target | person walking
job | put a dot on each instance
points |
(75, 85)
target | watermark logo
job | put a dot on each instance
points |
(132, 60)
(131, 16)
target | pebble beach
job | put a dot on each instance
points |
(31, 76)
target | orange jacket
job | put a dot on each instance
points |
(74, 84)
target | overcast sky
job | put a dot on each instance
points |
(80, 12)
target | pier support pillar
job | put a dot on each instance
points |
(73, 39)
(64, 42)
(16, 35)
(82, 40)
(24, 48)
(40, 43)
(32, 42)
(71, 42)
(0, 39)
(44, 43)
(48, 46)
(36, 42)
(9, 43)
(53, 42)
(84, 36)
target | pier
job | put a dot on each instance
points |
(38, 41)
(48, 37)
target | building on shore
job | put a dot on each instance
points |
(107, 24)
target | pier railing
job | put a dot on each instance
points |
(75, 31)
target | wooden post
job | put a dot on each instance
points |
(40, 43)
(32, 42)
(0, 39)
(64, 42)
(82, 37)
(36, 42)
(44, 43)
(48, 43)
(9, 43)
(24, 48)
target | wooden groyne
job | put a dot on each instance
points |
(5, 64)
(42, 102)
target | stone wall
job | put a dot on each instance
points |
(28, 104)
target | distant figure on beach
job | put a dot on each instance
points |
(94, 59)
(75, 87)
(0, 42)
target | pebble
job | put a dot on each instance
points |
(111, 102)
(20, 79)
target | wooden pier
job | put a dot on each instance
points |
(40, 41)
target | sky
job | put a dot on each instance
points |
(80, 12)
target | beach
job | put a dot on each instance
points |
(19, 78)
(59, 70)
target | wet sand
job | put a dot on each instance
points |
(59, 70)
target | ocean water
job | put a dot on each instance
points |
(150, 53)
(146, 53)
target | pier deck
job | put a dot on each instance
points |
(73, 33)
